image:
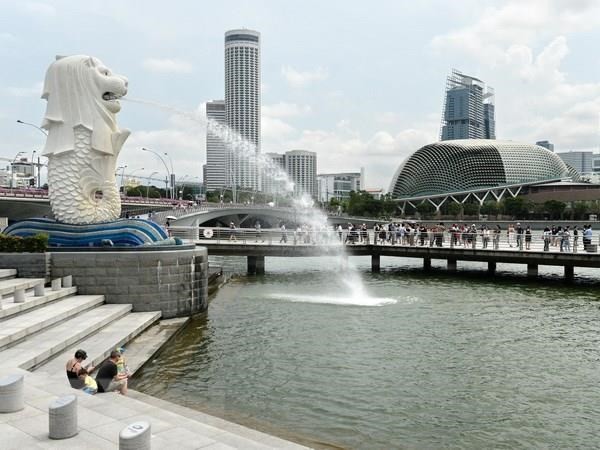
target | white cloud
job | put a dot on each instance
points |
(518, 22)
(31, 91)
(283, 109)
(298, 79)
(7, 37)
(37, 8)
(167, 65)
(275, 132)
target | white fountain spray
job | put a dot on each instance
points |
(241, 149)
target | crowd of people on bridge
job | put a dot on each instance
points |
(515, 236)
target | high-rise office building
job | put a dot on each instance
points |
(274, 174)
(339, 185)
(215, 174)
(469, 110)
(581, 161)
(242, 105)
(546, 144)
(301, 167)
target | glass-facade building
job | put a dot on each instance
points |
(469, 110)
(215, 173)
(471, 164)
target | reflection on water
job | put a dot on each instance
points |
(443, 360)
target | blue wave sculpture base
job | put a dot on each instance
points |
(120, 233)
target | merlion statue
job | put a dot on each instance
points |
(83, 139)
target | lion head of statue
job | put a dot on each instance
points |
(82, 91)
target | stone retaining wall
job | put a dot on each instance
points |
(28, 265)
(174, 282)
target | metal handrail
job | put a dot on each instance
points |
(447, 239)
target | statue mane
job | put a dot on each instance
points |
(74, 88)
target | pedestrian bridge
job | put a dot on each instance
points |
(269, 243)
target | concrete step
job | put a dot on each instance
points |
(41, 347)
(23, 325)
(141, 349)
(99, 345)
(9, 308)
(8, 286)
(6, 274)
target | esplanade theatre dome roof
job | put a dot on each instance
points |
(470, 164)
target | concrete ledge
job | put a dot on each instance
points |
(28, 265)
(173, 281)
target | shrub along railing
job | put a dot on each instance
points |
(29, 244)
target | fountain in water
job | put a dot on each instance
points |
(304, 205)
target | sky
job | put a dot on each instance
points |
(360, 83)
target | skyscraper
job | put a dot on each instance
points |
(301, 166)
(469, 110)
(215, 175)
(242, 105)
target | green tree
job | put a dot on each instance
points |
(490, 208)
(364, 204)
(581, 210)
(516, 207)
(555, 208)
(471, 209)
(454, 209)
(425, 210)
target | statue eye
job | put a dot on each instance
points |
(105, 72)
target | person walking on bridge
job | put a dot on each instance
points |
(283, 239)
(232, 232)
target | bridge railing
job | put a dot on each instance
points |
(536, 241)
(24, 193)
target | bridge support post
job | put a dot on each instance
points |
(569, 273)
(532, 270)
(426, 263)
(256, 265)
(260, 265)
(375, 263)
(451, 265)
(491, 267)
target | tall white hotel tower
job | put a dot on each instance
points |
(242, 104)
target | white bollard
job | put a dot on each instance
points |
(19, 296)
(11, 394)
(67, 281)
(62, 415)
(38, 290)
(135, 436)
(56, 284)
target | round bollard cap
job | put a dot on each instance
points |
(11, 379)
(134, 429)
(62, 401)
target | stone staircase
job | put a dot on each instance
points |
(46, 330)
(39, 335)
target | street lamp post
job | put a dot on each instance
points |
(171, 177)
(34, 126)
(122, 169)
(144, 149)
(33, 164)
(148, 186)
